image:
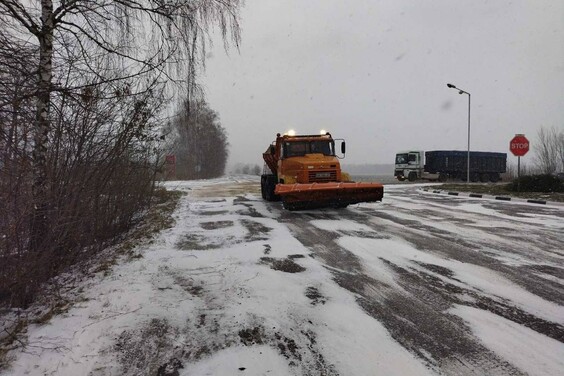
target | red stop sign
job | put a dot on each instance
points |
(519, 145)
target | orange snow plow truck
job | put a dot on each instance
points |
(305, 173)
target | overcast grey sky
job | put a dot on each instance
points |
(375, 73)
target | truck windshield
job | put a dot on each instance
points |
(401, 158)
(299, 148)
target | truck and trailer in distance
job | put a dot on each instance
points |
(442, 165)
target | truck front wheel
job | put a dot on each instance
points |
(412, 176)
(443, 177)
(289, 206)
(262, 187)
(268, 185)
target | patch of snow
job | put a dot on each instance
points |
(526, 349)
(341, 225)
(471, 276)
(371, 350)
(551, 278)
(248, 361)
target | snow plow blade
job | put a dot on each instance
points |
(316, 195)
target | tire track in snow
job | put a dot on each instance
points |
(414, 310)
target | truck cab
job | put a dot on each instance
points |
(409, 165)
(307, 159)
(304, 172)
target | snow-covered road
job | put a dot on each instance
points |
(419, 284)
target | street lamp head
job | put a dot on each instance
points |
(451, 86)
(460, 92)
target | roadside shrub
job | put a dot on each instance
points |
(537, 183)
(91, 204)
(102, 158)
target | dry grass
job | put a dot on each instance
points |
(157, 218)
(501, 190)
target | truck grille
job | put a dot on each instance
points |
(322, 176)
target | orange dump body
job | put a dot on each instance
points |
(337, 194)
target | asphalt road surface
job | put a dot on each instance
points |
(419, 284)
(506, 259)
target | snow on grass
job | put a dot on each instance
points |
(528, 350)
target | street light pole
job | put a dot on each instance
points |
(460, 91)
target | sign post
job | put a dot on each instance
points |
(170, 162)
(519, 146)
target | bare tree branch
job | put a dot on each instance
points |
(17, 11)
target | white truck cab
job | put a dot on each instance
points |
(410, 165)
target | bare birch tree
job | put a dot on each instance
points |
(151, 40)
(81, 86)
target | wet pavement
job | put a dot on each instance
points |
(506, 259)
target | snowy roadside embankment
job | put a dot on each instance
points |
(415, 285)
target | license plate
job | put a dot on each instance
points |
(323, 175)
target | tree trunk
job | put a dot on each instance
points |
(39, 225)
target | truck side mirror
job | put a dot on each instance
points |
(343, 147)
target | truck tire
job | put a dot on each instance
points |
(494, 177)
(412, 176)
(268, 185)
(289, 206)
(443, 177)
(262, 187)
(484, 177)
